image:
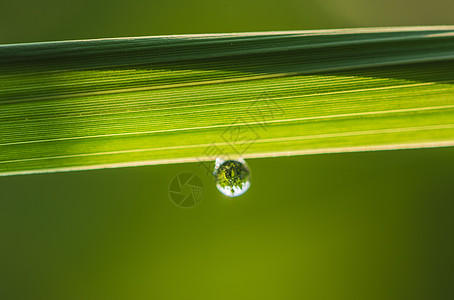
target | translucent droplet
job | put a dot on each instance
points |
(233, 177)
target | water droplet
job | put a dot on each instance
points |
(233, 177)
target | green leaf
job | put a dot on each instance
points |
(78, 105)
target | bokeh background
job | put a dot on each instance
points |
(376, 225)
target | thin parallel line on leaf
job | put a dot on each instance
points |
(418, 109)
(358, 133)
(214, 36)
(231, 80)
(266, 99)
(422, 145)
(247, 101)
(239, 51)
(169, 98)
(211, 43)
(141, 89)
(307, 82)
(258, 100)
(245, 114)
(171, 94)
(284, 139)
(137, 117)
(185, 39)
(204, 105)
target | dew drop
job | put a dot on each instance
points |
(233, 177)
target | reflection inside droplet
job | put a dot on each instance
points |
(233, 177)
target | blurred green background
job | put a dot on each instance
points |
(48, 20)
(375, 225)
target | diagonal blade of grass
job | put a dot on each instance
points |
(119, 102)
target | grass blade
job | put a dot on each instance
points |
(79, 105)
